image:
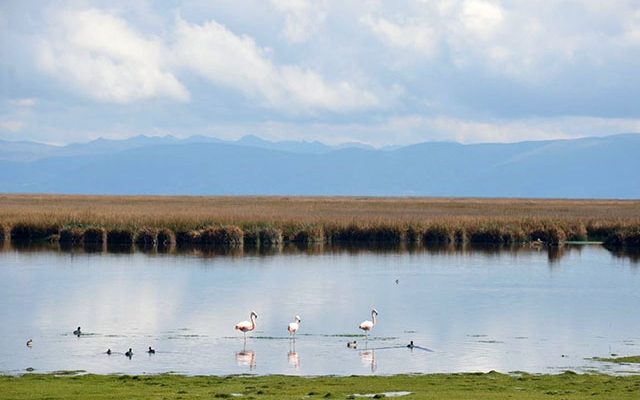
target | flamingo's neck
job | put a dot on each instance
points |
(253, 322)
(373, 318)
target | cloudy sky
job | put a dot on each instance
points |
(379, 72)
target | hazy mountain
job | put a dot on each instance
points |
(29, 151)
(24, 151)
(605, 167)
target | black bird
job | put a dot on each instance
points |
(151, 351)
(29, 343)
(108, 351)
(129, 353)
(410, 345)
(77, 332)
(352, 345)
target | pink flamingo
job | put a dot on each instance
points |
(368, 325)
(246, 326)
(294, 326)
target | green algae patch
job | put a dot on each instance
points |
(436, 386)
(619, 360)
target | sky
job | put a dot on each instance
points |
(377, 72)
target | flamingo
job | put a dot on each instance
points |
(294, 326)
(368, 325)
(246, 326)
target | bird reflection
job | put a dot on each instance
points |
(246, 358)
(294, 360)
(368, 357)
(292, 356)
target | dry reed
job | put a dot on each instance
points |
(269, 221)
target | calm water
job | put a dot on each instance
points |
(477, 311)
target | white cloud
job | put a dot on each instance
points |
(102, 57)
(227, 59)
(516, 130)
(409, 34)
(527, 42)
(481, 18)
(25, 102)
(11, 125)
(302, 18)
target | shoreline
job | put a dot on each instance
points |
(491, 385)
(168, 222)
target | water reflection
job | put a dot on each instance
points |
(294, 359)
(478, 309)
(292, 355)
(554, 253)
(246, 358)
(368, 358)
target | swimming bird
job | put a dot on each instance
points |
(77, 332)
(352, 345)
(151, 351)
(368, 325)
(129, 353)
(246, 326)
(108, 352)
(29, 343)
(397, 281)
(294, 326)
(410, 345)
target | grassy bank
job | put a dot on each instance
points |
(235, 221)
(438, 386)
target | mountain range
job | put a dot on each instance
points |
(594, 167)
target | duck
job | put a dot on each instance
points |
(29, 343)
(352, 345)
(108, 352)
(77, 332)
(151, 351)
(129, 353)
(410, 345)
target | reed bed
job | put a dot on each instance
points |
(94, 235)
(164, 222)
(166, 239)
(4, 233)
(146, 238)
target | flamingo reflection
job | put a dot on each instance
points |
(292, 356)
(246, 358)
(368, 357)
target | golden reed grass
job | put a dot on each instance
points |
(231, 221)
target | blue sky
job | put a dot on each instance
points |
(379, 72)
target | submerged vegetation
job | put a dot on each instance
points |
(620, 360)
(437, 386)
(164, 222)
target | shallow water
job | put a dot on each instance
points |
(477, 310)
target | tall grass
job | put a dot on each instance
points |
(164, 222)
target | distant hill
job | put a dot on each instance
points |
(603, 167)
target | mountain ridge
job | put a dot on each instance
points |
(593, 167)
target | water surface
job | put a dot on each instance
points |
(526, 310)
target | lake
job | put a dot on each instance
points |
(472, 310)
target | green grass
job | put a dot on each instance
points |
(620, 360)
(492, 385)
